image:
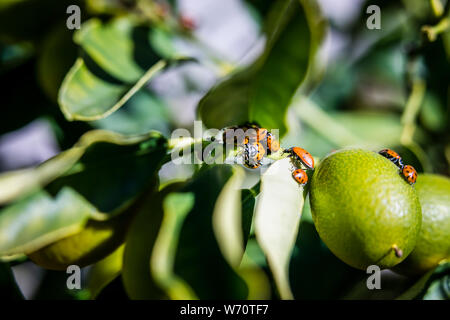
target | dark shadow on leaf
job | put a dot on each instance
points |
(95, 69)
(143, 53)
(314, 272)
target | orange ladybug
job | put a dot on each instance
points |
(410, 174)
(301, 155)
(253, 154)
(273, 145)
(300, 176)
(393, 156)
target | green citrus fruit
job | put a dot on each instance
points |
(433, 243)
(363, 209)
(97, 240)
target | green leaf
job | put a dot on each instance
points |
(188, 218)
(86, 97)
(110, 176)
(138, 281)
(105, 271)
(39, 219)
(111, 46)
(248, 206)
(176, 207)
(120, 57)
(277, 219)
(98, 178)
(263, 91)
(432, 285)
(142, 113)
(228, 225)
(227, 219)
(16, 184)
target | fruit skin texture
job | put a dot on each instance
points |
(433, 243)
(361, 207)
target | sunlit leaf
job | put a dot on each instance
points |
(176, 207)
(263, 91)
(277, 219)
(98, 178)
(227, 219)
(95, 241)
(228, 222)
(189, 220)
(111, 46)
(39, 219)
(85, 96)
(16, 184)
(142, 113)
(138, 281)
(119, 58)
(105, 271)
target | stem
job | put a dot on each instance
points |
(411, 110)
(433, 31)
(398, 252)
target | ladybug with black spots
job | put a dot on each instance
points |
(300, 176)
(302, 156)
(393, 156)
(253, 155)
(409, 174)
(273, 145)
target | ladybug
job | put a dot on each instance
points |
(273, 145)
(393, 156)
(253, 154)
(410, 174)
(300, 176)
(239, 135)
(255, 134)
(302, 156)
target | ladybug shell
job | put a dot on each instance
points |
(304, 156)
(300, 176)
(393, 156)
(253, 154)
(250, 165)
(389, 153)
(410, 174)
(272, 144)
(253, 135)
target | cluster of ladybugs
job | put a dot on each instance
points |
(408, 172)
(258, 142)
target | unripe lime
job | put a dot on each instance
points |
(363, 209)
(433, 243)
